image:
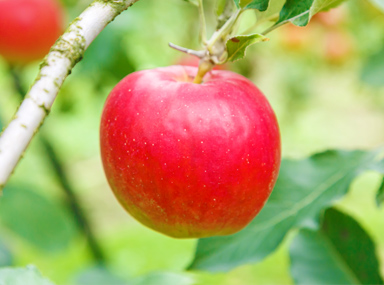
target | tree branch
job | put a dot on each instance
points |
(57, 65)
(72, 201)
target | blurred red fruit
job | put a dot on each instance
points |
(28, 28)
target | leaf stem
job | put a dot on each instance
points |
(270, 29)
(203, 27)
(262, 21)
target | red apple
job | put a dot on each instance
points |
(186, 159)
(28, 28)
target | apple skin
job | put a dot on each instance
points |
(190, 160)
(28, 28)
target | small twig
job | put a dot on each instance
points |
(73, 202)
(197, 53)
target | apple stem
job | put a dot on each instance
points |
(215, 48)
(205, 66)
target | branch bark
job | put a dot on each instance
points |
(57, 65)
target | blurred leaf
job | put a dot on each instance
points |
(378, 3)
(260, 5)
(107, 54)
(304, 188)
(22, 276)
(36, 219)
(237, 46)
(194, 2)
(6, 258)
(220, 6)
(224, 10)
(1, 125)
(69, 3)
(324, 5)
(373, 69)
(340, 253)
(380, 194)
(299, 12)
(98, 275)
(164, 278)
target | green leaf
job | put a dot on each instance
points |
(22, 276)
(237, 46)
(296, 11)
(380, 195)
(107, 54)
(6, 258)
(1, 125)
(164, 278)
(260, 5)
(304, 188)
(36, 219)
(299, 12)
(340, 253)
(372, 72)
(98, 275)
(324, 5)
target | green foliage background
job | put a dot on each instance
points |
(321, 104)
